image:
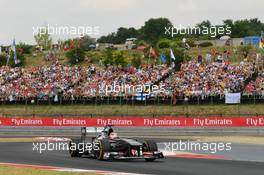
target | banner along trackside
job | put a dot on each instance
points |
(137, 122)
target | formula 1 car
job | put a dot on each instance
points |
(107, 145)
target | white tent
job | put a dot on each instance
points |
(224, 37)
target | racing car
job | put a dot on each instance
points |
(107, 145)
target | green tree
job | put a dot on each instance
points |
(204, 24)
(154, 29)
(124, 33)
(120, 36)
(141, 42)
(245, 27)
(86, 41)
(136, 60)
(229, 22)
(108, 57)
(164, 43)
(245, 48)
(110, 38)
(119, 58)
(75, 55)
(24, 48)
(3, 59)
(43, 39)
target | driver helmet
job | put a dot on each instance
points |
(113, 135)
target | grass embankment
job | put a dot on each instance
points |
(128, 110)
(16, 139)
(31, 171)
(95, 56)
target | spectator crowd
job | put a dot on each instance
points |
(195, 78)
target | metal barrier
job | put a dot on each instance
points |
(121, 100)
(158, 132)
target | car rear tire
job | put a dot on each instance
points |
(150, 146)
(104, 146)
(74, 152)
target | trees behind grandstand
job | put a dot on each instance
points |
(114, 57)
(153, 30)
(120, 36)
(75, 55)
(136, 60)
(43, 39)
(246, 27)
(86, 42)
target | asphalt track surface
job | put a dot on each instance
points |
(22, 153)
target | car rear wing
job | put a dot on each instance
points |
(92, 130)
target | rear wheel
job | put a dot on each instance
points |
(150, 146)
(103, 147)
(73, 148)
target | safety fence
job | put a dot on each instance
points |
(130, 100)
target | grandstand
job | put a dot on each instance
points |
(197, 82)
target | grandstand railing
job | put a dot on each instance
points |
(121, 100)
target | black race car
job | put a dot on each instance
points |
(107, 145)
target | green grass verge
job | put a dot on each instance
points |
(32, 171)
(128, 110)
(8, 140)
